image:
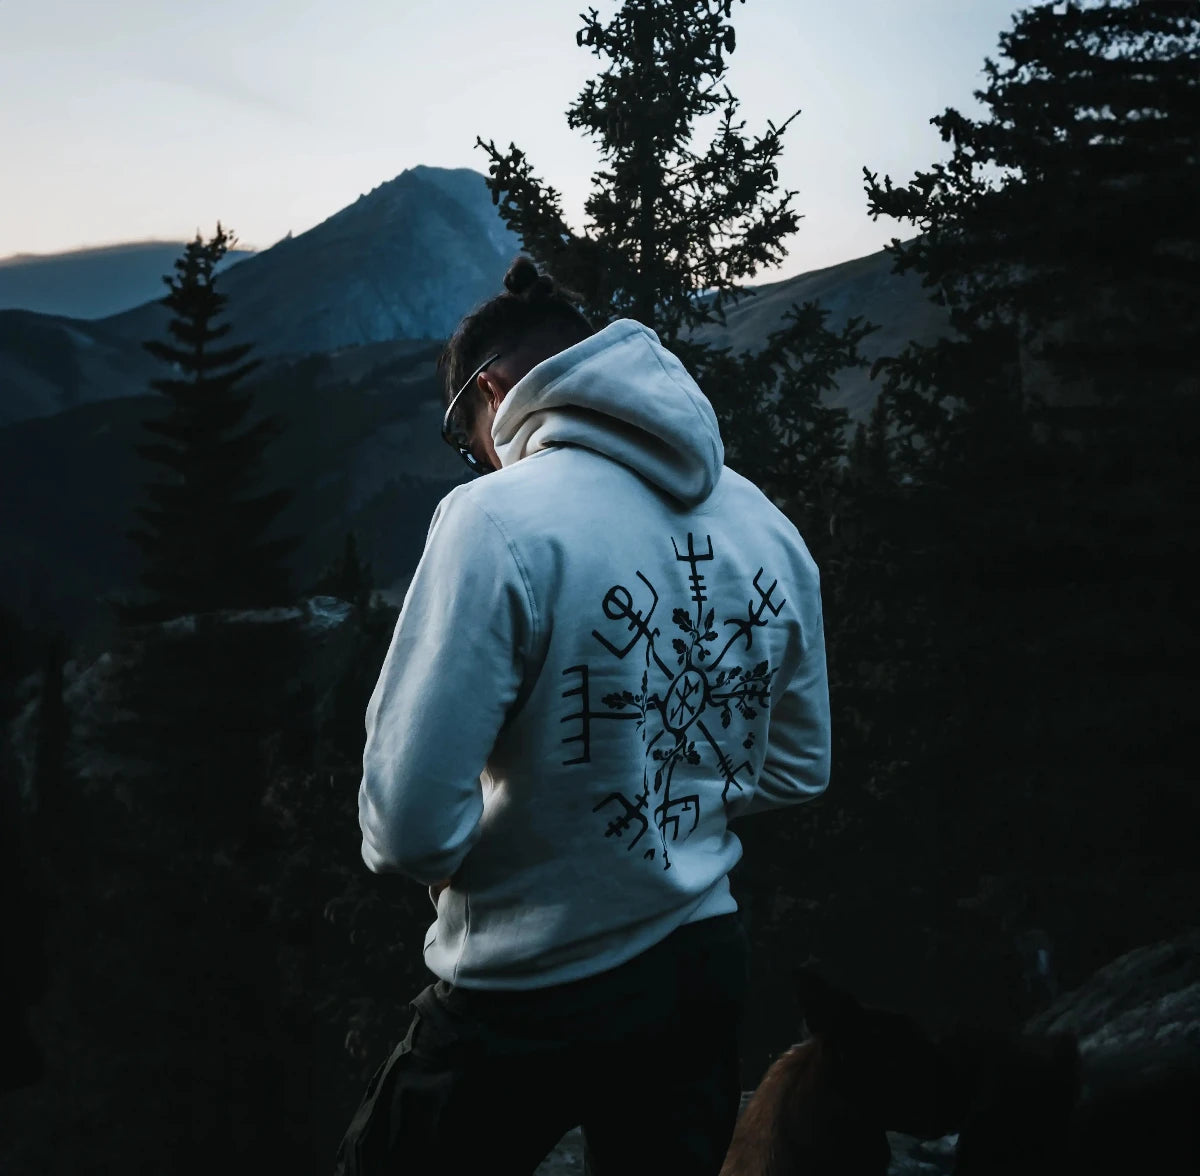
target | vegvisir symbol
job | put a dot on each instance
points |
(675, 725)
(686, 705)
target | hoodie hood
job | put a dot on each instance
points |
(622, 394)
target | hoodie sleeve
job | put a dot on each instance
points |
(450, 677)
(796, 766)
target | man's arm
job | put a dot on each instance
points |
(451, 674)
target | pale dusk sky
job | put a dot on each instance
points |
(132, 120)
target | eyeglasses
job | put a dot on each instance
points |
(453, 434)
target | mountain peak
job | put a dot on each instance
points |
(406, 260)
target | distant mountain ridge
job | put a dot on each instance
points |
(866, 286)
(404, 261)
(90, 283)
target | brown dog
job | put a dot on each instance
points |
(825, 1106)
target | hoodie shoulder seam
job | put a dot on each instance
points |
(526, 584)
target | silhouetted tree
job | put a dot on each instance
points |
(1061, 233)
(869, 457)
(1051, 440)
(349, 578)
(674, 228)
(204, 542)
(53, 806)
(26, 892)
(1061, 421)
(35, 847)
(778, 429)
(24, 967)
(20, 645)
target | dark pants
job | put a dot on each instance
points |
(644, 1057)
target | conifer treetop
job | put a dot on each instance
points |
(673, 226)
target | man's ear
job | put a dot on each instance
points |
(493, 387)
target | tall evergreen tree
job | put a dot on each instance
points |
(204, 542)
(49, 776)
(777, 427)
(1061, 233)
(1052, 440)
(674, 227)
(24, 966)
(349, 578)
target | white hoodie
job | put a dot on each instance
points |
(610, 647)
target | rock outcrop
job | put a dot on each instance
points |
(94, 695)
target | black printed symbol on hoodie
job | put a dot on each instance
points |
(685, 697)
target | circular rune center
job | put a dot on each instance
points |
(684, 701)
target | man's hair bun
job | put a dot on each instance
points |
(533, 306)
(524, 281)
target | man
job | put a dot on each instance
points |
(612, 646)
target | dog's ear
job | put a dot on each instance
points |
(827, 1010)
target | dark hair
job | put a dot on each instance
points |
(533, 306)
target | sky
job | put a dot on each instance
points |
(151, 119)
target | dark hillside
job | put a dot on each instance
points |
(361, 449)
(90, 283)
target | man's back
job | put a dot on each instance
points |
(611, 645)
(630, 635)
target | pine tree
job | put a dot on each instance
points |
(777, 428)
(1061, 234)
(349, 578)
(204, 542)
(24, 964)
(1052, 440)
(672, 229)
(49, 778)
(869, 456)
